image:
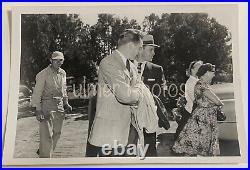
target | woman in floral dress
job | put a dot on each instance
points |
(200, 134)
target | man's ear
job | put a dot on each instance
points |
(129, 44)
(50, 60)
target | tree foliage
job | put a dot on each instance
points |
(43, 34)
(182, 39)
(187, 37)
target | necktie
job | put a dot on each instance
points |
(139, 68)
(128, 65)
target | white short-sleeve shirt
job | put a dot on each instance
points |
(189, 92)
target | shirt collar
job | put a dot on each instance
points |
(124, 59)
(193, 78)
(58, 71)
(136, 62)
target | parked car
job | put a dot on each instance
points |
(24, 98)
(228, 136)
(77, 95)
(24, 91)
(228, 128)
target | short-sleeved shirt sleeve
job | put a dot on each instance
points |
(38, 89)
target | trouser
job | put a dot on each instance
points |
(91, 150)
(50, 132)
(95, 151)
(149, 138)
(185, 115)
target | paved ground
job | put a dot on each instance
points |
(73, 139)
(71, 144)
(74, 136)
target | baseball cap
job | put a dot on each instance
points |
(57, 55)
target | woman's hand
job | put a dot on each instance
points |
(213, 97)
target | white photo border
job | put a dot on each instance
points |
(55, 8)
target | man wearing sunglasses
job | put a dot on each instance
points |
(50, 101)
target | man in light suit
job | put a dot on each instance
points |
(153, 77)
(116, 94)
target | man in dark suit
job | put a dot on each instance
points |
(153, 77)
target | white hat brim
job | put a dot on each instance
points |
(151, 45)
(58, 57)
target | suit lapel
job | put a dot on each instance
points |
(134, 74)
(119, 60)
(127, 73)
(146, 71)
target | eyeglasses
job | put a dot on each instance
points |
(134, 31)
(58, 60)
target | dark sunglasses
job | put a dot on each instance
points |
(57, 60)
(134, 31)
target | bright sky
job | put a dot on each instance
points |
(222, 13)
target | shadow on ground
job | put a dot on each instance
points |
(227, 147)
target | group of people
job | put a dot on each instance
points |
(127, 108)
(197, 133)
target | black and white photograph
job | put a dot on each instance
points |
(129, 81)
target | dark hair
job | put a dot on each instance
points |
(191, 66)
(205, 68)
(130, 35)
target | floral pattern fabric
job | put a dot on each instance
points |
(200, 134)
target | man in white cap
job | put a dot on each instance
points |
(50, 101)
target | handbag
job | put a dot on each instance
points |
(220, 115)
(181, 102)
(180, 106)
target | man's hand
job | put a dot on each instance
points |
(139, 79)
(68, 108)
(39, 115)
